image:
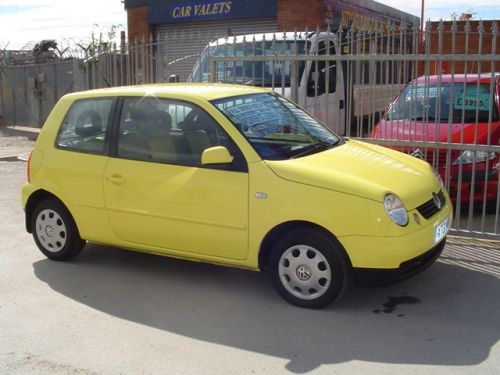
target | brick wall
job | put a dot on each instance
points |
(138, 28)
(474, 44)
(299, 14)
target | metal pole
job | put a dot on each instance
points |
(421, 41)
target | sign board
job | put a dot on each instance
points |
(208, 10)
(473, 98)
(366, 15)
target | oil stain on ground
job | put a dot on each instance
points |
(393, 302)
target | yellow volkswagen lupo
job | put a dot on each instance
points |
(231, 175)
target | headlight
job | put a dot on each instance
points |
(471, 157)
(395, 209)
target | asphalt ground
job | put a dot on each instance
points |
(113, 311)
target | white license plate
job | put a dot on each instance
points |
(441, 229)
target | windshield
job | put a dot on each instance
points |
(458, 102)
(261, 73)
(276, 128)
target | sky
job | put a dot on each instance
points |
(67, 21)
(24, 22)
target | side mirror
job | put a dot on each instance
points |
(174, 78)
(216, 155)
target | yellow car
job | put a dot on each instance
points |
(231, 175)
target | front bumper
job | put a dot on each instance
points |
(407, 269)
(400, 244)
(475, 186)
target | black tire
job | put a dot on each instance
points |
(309, 268)
(55, 231)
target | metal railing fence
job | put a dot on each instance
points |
(448, 113)
(443, 85)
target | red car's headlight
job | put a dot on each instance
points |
(471, 157)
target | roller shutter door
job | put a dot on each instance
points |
(180, 46)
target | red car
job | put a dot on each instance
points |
(450, 109)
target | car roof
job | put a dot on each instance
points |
(207, 91)
(469, 78)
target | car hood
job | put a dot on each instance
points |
(364, 170)
(406, 130)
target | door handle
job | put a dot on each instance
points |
(116, 179)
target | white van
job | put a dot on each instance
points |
(321, 85)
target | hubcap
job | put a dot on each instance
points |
(304, 272)
(50, 230)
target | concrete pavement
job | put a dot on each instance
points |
(16, 142)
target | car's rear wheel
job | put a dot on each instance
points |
(309, 268)
(54, 231)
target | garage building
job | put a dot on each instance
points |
(183, 28)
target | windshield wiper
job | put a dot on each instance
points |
(423, 118)
(315, 148)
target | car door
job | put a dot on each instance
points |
(157, 192)
(321, 89)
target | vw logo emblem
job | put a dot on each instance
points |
(303, 272)
(437, 201)
(418, 154)
(50, 231)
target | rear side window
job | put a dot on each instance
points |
(85, 126)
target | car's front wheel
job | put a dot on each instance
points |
(309, 268)
(54, 231)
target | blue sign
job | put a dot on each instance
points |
(207, 10)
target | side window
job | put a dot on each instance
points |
(317, 81)
(168, 131)
(85, 125)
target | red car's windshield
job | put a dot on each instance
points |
(446, 102)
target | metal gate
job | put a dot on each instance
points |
(449, 74)
(448, 112)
